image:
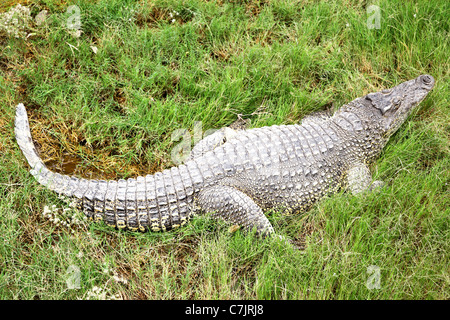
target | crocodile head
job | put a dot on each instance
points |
(393, 106)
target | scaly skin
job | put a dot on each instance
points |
(240, 174)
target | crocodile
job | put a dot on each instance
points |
(239, 174)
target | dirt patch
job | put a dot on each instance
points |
(254, 7)
(67, 164)
(365, 66)
(67, 152)
(4, 65)
(119, 96)
(168, 88)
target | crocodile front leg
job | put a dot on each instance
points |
(359, 179)
(234, 206)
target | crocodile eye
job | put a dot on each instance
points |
(396, 101)
(386, 91)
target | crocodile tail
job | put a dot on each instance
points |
(156, 202)
(43, 175)
(23, 137)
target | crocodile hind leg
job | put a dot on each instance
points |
(212, 141)
(234, 206)
(359, 179)
(218, 137)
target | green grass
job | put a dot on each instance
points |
(112, 114)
